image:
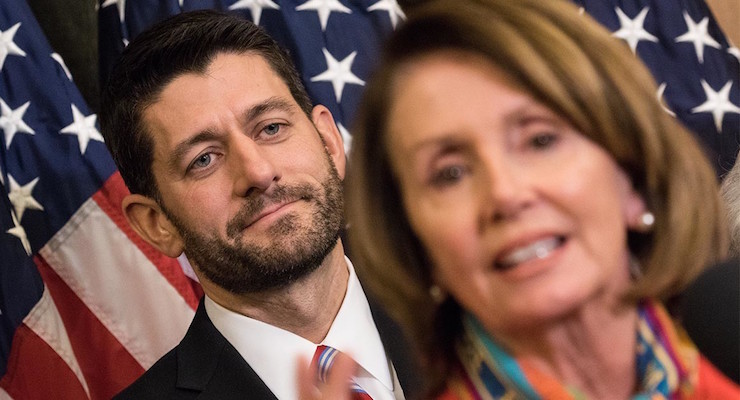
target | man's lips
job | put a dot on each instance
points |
(268, 211)
(262, 205)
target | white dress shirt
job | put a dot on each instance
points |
(272, 352)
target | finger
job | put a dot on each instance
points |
(340, 377)
(307, 389)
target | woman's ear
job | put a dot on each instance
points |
(639, 218)
(149, 221)
(324, 123)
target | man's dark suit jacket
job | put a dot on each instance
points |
(206, 366)
(710, 312)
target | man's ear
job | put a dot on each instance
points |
(324, 123)
(150, 222)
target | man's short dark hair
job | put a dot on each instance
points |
(184, 43)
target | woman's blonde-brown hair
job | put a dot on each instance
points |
(731, 195)
(574, 66)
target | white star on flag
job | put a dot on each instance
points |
(718, 103)
(324, 8)
(12, 121)
(659, 95)
(61, 63)
(255, 6)
(121, 7)
(735, 52)
(346, 138)
(18, 231)
(394, 10)
(83, 127)
(7, 46)
(338, 73)
(21, 197)
(698, 34)
(632, 30)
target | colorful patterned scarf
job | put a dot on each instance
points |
(667, 364)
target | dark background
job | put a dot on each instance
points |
(71, 26)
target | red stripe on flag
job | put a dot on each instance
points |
(35, 371)
(109, 199)
(106, 365)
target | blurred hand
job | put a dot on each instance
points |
(336, 387)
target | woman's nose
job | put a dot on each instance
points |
(508, 189)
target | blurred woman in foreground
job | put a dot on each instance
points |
(523, 205)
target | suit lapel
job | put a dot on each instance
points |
(208, 363)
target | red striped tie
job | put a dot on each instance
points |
(324, 358)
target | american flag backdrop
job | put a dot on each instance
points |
(697, 70)
(85, 305)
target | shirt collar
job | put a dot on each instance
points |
(355, 334)
(272, 352)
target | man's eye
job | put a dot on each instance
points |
(272, 129)
(202, 161)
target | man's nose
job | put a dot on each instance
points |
(253, 168)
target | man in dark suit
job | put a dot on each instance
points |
(228, 162)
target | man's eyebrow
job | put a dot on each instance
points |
(273, 103)
(173, 161)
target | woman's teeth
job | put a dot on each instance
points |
(536, 250)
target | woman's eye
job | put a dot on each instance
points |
(448, 175)
(272, 129)
(543, 140)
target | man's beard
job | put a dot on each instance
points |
(297, 247)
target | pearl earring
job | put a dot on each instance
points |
(645, 222)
